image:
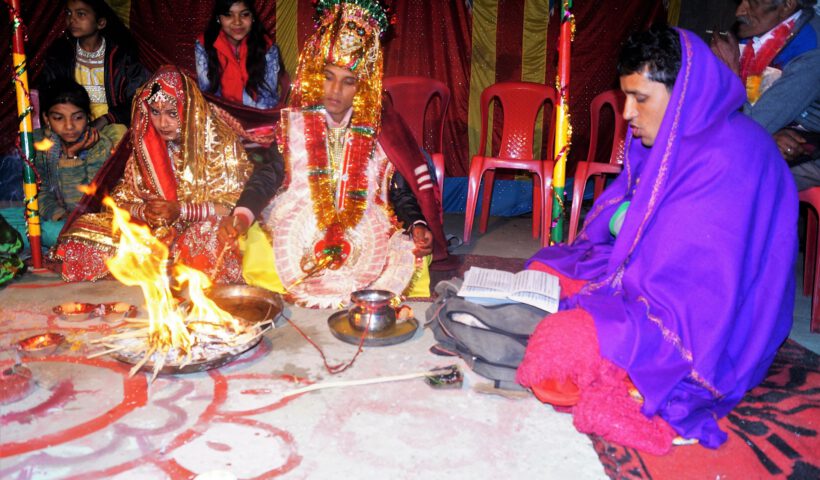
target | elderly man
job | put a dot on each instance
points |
(357, 180)
(779, 63)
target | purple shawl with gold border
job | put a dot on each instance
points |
(696, 294)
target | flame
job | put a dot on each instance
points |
(142, 260)
(203, 308)
(43, 145)
(89, 189)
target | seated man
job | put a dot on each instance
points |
(356, 180)
(682, 276)
(779, 62)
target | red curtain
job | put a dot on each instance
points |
(601, 29)
(42, 23)
(430, 38)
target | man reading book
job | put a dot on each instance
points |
(681, 282)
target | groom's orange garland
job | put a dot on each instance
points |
(352, 187)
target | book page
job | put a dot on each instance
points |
(536, 281)
(536, 288)
(485, 282)
(537, 300)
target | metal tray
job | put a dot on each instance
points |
(341, 328)
(193, 367)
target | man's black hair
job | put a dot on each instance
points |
(655, 51)
(64, 91)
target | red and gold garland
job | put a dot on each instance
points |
(333, 249)
(753, 64)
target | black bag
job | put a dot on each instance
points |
(490, 339)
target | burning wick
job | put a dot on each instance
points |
(43, 145)
(40, 342)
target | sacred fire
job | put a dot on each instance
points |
(177, 335)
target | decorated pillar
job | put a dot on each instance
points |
(24, 111)
(563, 129)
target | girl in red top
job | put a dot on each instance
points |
(235, 59)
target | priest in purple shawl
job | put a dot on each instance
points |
(680, 287)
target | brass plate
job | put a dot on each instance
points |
(341, 328)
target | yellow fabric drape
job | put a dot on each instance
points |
(123, 10)
(286, 33)
(257, 260)
(673, 14)
(482, 68)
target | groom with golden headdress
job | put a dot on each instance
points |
(359, 208)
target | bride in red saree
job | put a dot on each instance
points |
(186, 170)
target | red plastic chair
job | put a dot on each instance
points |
(589, 168)
(412, 97)
(811, 262)
(520, 102)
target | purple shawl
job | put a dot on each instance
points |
(696, 294)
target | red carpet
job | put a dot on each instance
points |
(772, 433)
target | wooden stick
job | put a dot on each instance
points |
(158, 366)
(106, 352)
(115, 336)
(219, 259)
(353, 383)
(136, 368)
(136, 320)
(261, 332)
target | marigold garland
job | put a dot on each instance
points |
(353, 192)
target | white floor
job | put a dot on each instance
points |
(86, 419)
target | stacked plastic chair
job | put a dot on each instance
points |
(811, 262)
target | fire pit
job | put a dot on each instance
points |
(191, 336)
(212, 347)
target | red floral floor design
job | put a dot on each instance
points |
(773, 433)
(186, 418)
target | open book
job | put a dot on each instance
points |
(493, 287)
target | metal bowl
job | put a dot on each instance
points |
(253, 304)
(372, 310)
